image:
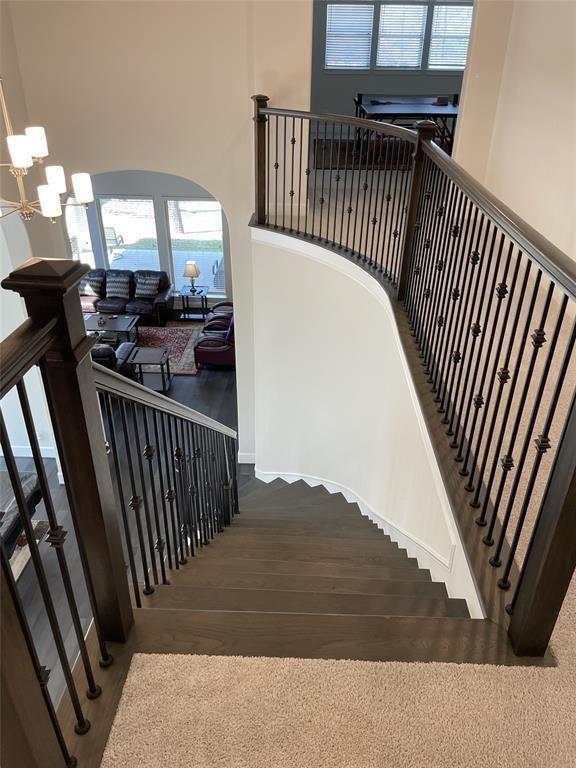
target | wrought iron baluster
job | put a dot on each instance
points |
(149, 452)
(171, 491)
(139, 453)
(162, 487)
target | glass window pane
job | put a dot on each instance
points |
(130, 232)
(348, 36)
(401, 36)
(78, 233)
(196, 235)
(450, 32)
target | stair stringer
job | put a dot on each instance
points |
(453, 571)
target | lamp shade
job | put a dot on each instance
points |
(191, 269)
(19, 149)
(82, 185)
(49, 201)
(37, 141)
(56, 178)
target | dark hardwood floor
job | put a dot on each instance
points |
(213, 393)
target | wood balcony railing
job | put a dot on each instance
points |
(484, 304)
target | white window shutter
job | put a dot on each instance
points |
(450, 32)
(401, 35)
(348, 36)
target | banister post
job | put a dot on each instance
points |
(49, 288)
(426, 132)
(551, 558)
(260, 102)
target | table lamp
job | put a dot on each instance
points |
(191, 270)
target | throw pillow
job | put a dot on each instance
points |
(91, 285)
(147, 286)
(117, 287)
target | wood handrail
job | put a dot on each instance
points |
(22, 349)
(373, 125)
(119, 386)
(552, 260)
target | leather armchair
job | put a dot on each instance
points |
(215, 347)
(223, 308)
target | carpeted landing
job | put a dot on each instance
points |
(234, 712)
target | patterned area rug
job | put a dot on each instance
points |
(180, 339)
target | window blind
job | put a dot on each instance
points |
(401, 35)
(348, 36)
(450, 33)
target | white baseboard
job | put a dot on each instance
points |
(453, 571)
(246, 458)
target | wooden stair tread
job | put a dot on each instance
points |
(275, 601)
(202, 577)
(238, 564)
(313, 543)
(310, 530)
(369, 638)
(393, 558)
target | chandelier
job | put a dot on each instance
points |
(26, 150)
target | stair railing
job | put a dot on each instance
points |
(121, 447)
(491, 306)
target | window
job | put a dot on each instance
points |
(196, 235)
(349, 36)
(79, 233)
(410, 35)
(449, 39)
(130, 232)
(401, 36)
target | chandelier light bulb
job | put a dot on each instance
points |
(19, 149)
(37, 141)
(56, 178)
(82, 185)
(49, 201)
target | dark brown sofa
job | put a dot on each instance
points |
(153, 310)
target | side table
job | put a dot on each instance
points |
(201, 293)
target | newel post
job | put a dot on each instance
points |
(551, 558)
(49, 288)
(426, 132)
(260, 102)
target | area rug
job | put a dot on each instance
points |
(180, 339)
(237, 712)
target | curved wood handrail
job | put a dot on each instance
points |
(552, 260)
(373, 125)
(119, 386)
(22, 349)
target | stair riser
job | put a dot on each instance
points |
(302, 530)
(393, 560)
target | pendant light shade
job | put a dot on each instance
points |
(82, 185)
(37, 141)
(56, 178)
(19, 149)
(49, 201)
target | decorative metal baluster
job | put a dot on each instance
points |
(503, 376)
(309, 153)
(284, 180)
(183, 459)
(457, 308)
(474, 331)
(163, 497)
(292, 192)
(387, 218)
(507, 461)
(82, 724)
(176, 457)
(315, 168)
(538, 339)
(459, 351)
(108, 415)
(371, 150)
(396, 207)
(350, 208)
(337, 180)
(423, 219)
(276, 166)
(214, 485)
(198, 468)
(542, 444)
(444, 267)
(348, 141)
(357, 203)
(502, 290)
(299, 209)
(149, 452)
(330, 183)
(444, 217)
(171, 494)
(135, 501)
(208, 479)
(56, 538)
(374, 214)
(42, 672)
(193, 487)
(139, 454)
(401, 212)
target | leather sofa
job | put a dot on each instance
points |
(153, 310)
(215, 345)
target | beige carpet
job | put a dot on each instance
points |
(233, 712)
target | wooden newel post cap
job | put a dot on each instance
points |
(45, 276)
(260, 102)
(426, 130)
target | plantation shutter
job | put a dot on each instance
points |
(348, 36)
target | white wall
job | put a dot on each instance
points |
(335, 402)
(517, 124)
(165, 86)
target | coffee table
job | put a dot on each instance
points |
(159, 356)
(125, 326)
